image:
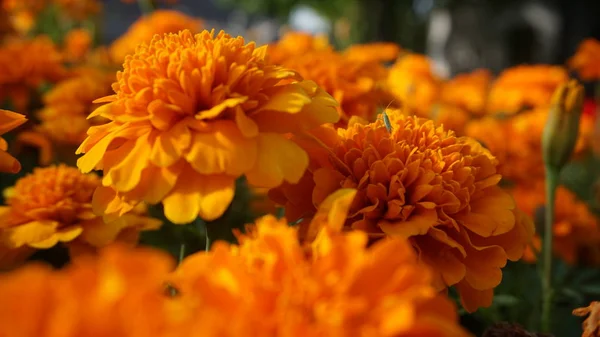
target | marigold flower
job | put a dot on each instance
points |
(422, 183)
(67, 105)
(373, 52)
(53, 205)
(468, 91)
(586, 60)
(21, 14)
(39, 62)
(525, 87)
(294, 44)
(591, 325)
(517, 142)
(359, 86)
(184, 128)
(561, 132)
(8, 121)
(576, 229)
(77, 45)
(159, 22)
(450, 116)
(411, 80)
(94, 296)
(270, 283)
(327, 290)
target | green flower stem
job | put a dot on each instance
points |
(206, 238)
(146, 6)
(181, 252)
(547, 291)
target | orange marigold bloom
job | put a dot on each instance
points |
(450, 116)
(586, 60)
(576, 229)
(411, 80)
(359, 86)
(294, 44)
(420, 182)
(270, 283)
(21, 14)
(335, 287)
(68, 104)
(468, 91)
(373, 52)
(526, 86)
(94, 296)
(159, 22)
(53, 205)
(8, 121)
(591, 325)
(79, 9)
(185, 127)
(77, 45)
(517, 141)
(38, 61)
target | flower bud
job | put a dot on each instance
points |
(562, 127)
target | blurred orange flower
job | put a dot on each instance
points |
(270, 283)
(359, 86)
(295, 44)
(118, 293)
(334, 287)
(159, 22)
(53, 205)
(586, 60)
(525, 87)
(412, 82)
(451, 117)
(420, 182)
(77, 45)
(468, 91)
(21, 14)
(8, 121)
(184, 128)
(373, 52)
(517, 141)
(38, 61)
(576, 229)
(67, 105)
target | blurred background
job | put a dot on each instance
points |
(458, 35)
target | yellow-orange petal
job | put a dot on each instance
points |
(224, 150)
(207, 196)
(278, 160)
(40, 234)
(473, 299)
(332, 213)
(8, 163)
(492, 215)
(10, 120)
(127, 163)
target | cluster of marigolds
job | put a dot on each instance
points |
(390, 209)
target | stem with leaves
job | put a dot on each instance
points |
(547, 290)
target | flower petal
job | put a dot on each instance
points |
(207, 196)
(223, 150)
(278, 159)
